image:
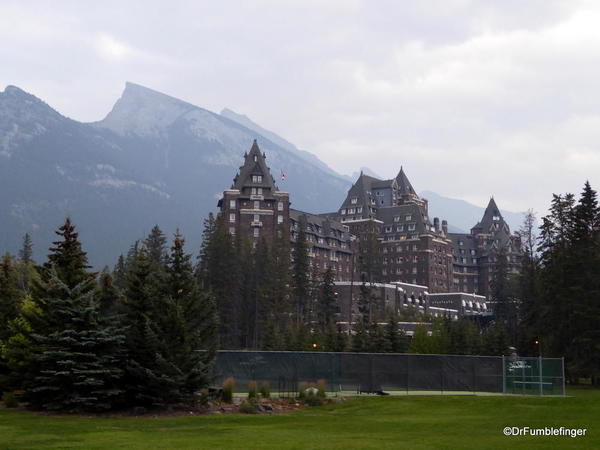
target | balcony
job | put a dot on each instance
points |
(256, 224)
(257, 197)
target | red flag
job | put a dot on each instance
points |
(282, 175)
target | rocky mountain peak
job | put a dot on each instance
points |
(144, 111)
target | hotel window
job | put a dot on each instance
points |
(257, 204)
(407, 218)
(343, 212)
(354, 200)
(231, 230)
(256, 231)
(259, 191)
(232, 217)
(359, 209)
(257, 178)
(396, 218)
(411, 227)
(256, 217)
(388, 229)
(232, 204)
(279, 219)
(400, 228)
(351, 211)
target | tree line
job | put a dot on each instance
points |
(74, 340)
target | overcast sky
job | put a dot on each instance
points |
(473, 98)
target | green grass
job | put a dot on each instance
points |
(419, 422)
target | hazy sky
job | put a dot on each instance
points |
(472, 98)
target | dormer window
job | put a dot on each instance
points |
(496, 218)
(359, 210)
(407, 218)
(257, 178)
(354, 200)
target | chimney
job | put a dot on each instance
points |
(436, 224)
(445, 226)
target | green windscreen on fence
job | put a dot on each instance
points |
(386, 372)
(534, 376)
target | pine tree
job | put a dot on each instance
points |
(379, 342)
(67, 257)
(395, 336)
(10, 295)
(300, 275)
(222, 270)
(361, 341)
(150, 378)
(78, 364)
(26, 252)
(155, 245)
(189, 324)
(327, 300)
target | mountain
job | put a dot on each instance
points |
(152, 159)
(462, 215)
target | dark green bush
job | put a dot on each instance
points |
(265, 389)
(9, 400)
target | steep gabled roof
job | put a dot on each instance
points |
(492, 220)
(254, 164)
(404, 186)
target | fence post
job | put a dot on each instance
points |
(541, 377)
(407, 372)
(503, 374)
(563, 375)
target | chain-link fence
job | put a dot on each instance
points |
(391, 373)
(534, 376)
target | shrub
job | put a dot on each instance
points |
(252, 391)
(9, 400)
(321, 387)
(228, 386)
(202, 397)
(248, 407)
(265, 389)
(302, 387)
(313, 400)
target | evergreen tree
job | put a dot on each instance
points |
(300, 275)
(327, 300)
(155, 245)
(26, 252)
(189, 324)
(361, 341)
(10, 295)
(395, 336)
(67, 257)
(224, 267)
(379, 342)
(120, 273)
(150, 379)
(77, 365)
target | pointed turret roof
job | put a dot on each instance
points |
(254, 164)
(491, 216)
(404, 186)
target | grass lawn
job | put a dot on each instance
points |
(419, 422)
